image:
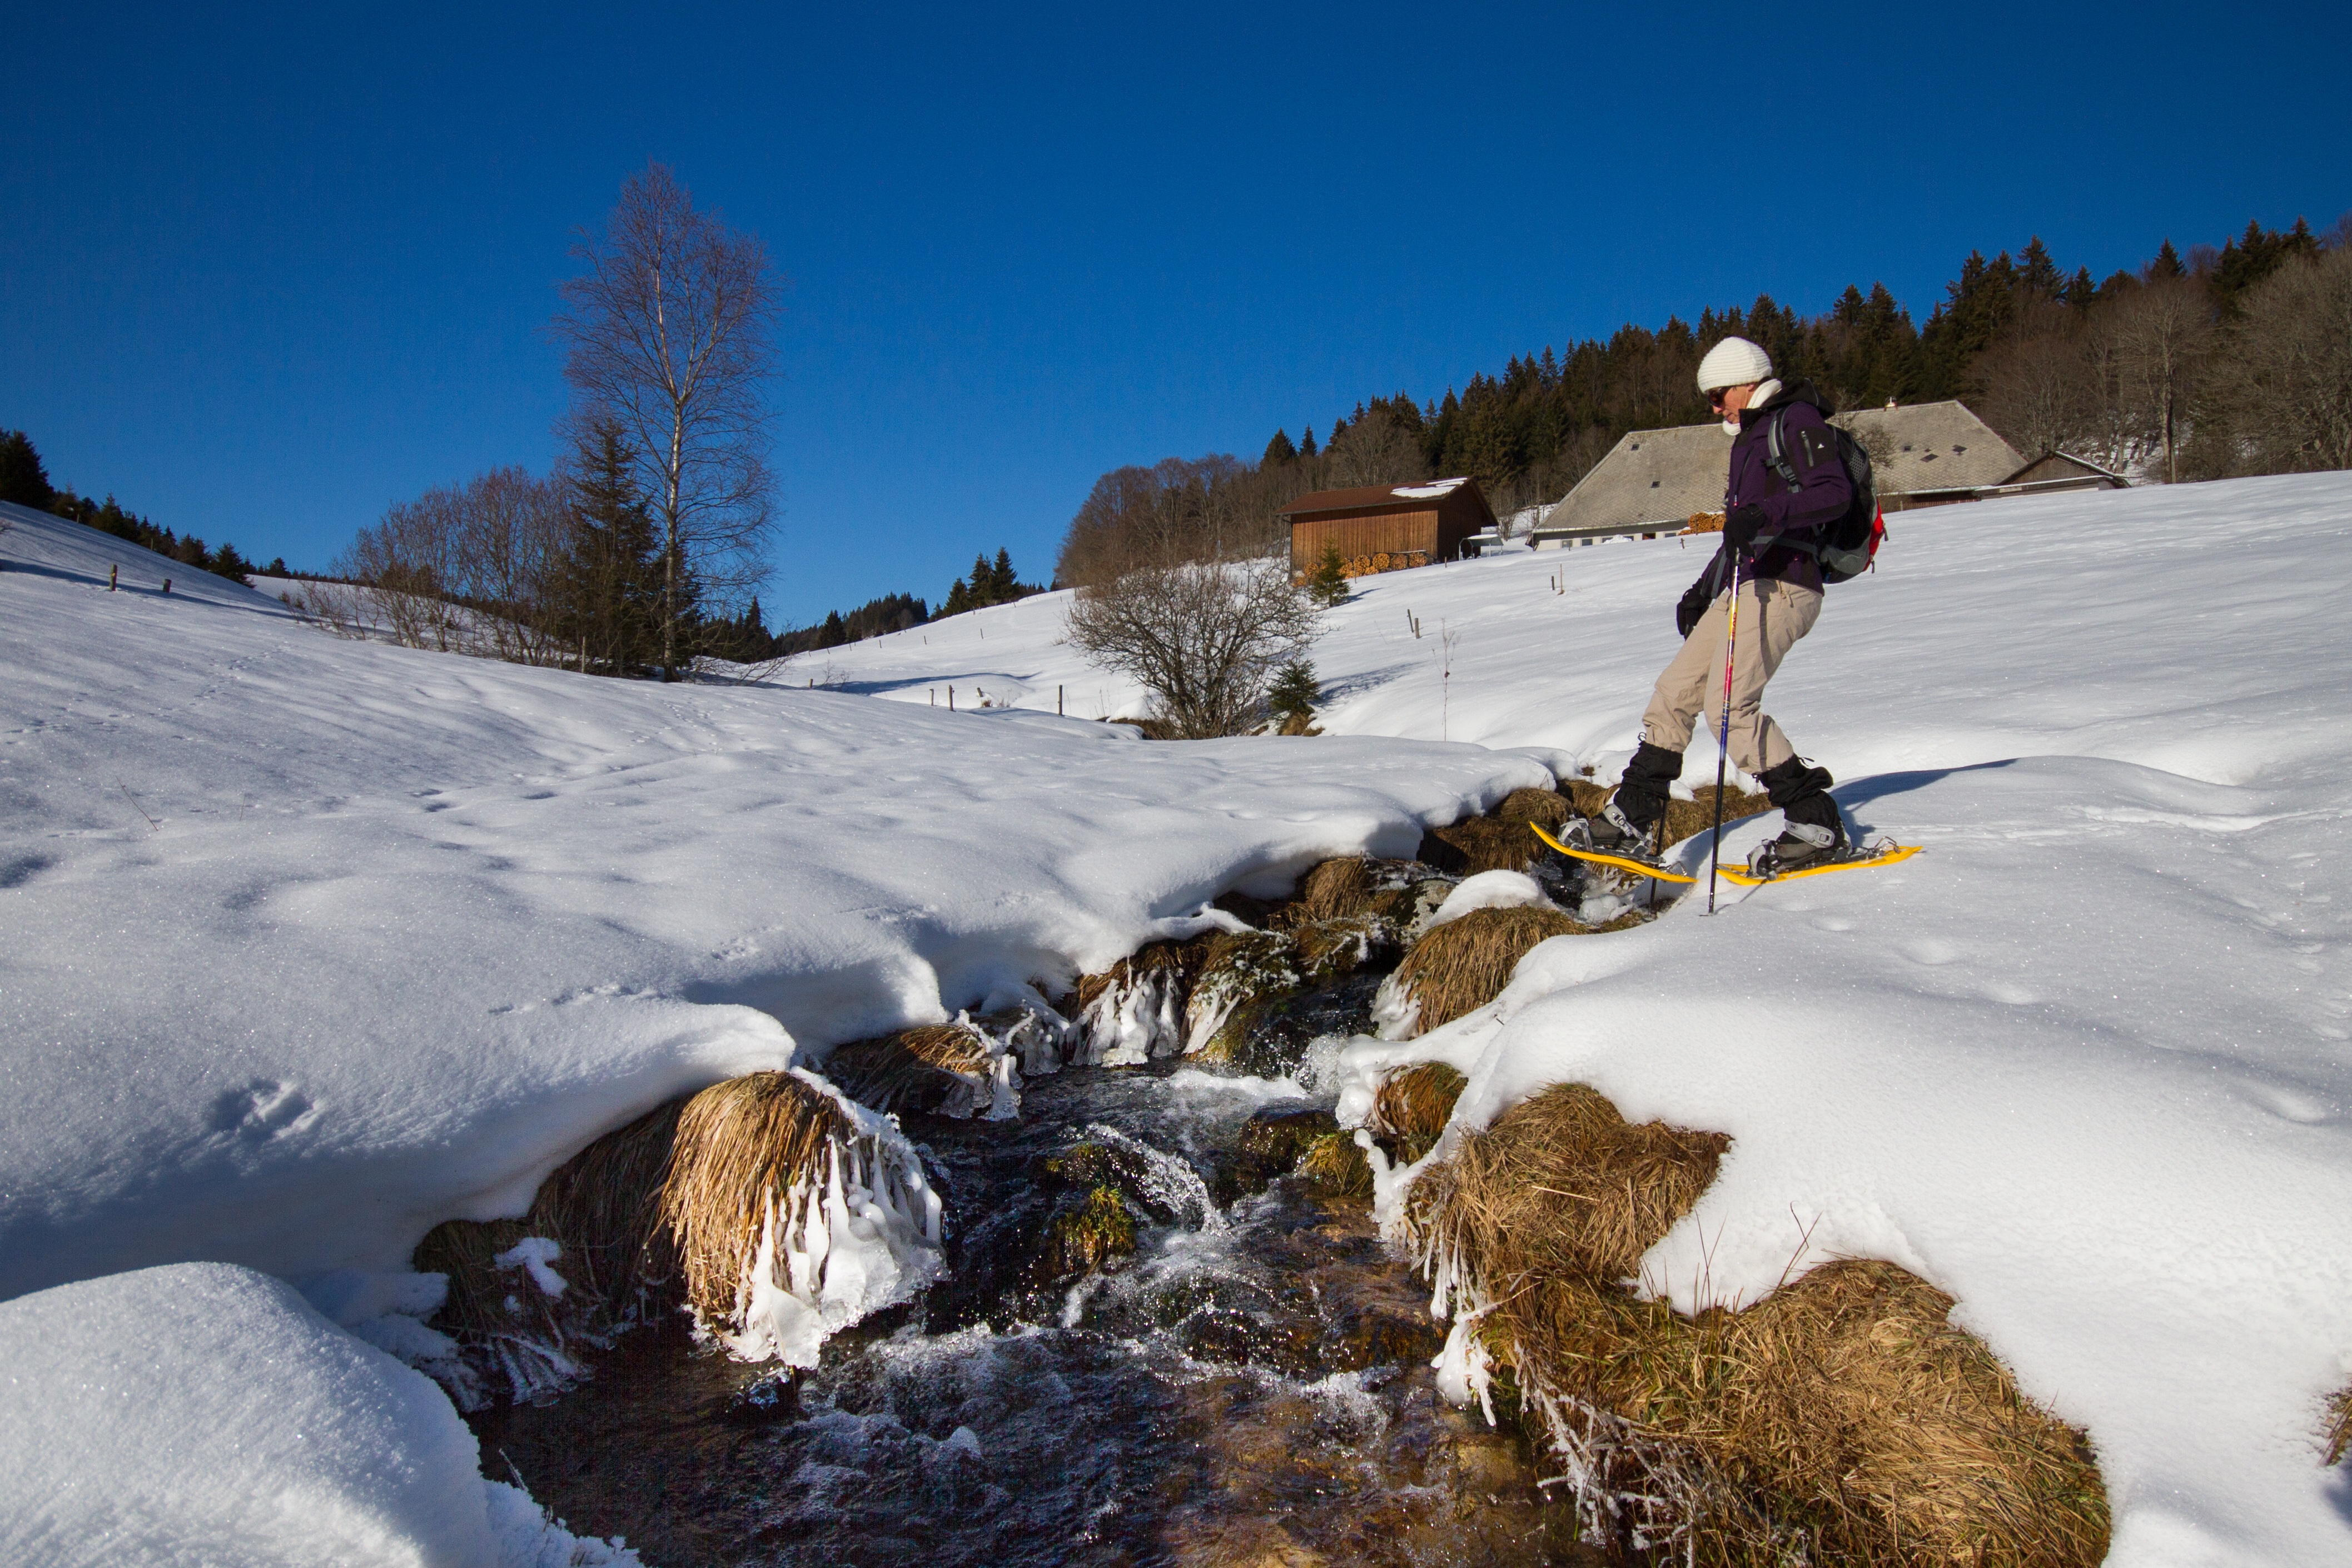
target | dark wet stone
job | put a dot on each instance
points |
(1271, 1142)
(1364, 1337)
(771, 1398)
(1083, 1236)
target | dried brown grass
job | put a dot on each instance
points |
(1545, 806)
(1561, 1184)
(1334, 890)
(603, 1206)
(1476, 844)
(1466, 963)
(740, 1145)
(2339, 1424)
(914, 1070)
(1842, 1419)
(1417, 1102)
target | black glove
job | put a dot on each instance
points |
(1693, 605)
(1740, 529)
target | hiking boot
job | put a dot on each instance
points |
(1801, 844)
(1622, 826)
(1613, 832)
(1813, 830)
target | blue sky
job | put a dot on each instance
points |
(265, 271)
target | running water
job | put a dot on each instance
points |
(1250, 1385)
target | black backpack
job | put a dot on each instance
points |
(1850, 543)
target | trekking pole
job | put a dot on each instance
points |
(1657, 852)
(1723, 741)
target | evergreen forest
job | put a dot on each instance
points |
(2180, 369)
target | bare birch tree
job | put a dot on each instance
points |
(670, 335)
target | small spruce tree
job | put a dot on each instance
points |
(1279, 450)
(1329, 583)
(1294, 690)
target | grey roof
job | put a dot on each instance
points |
(1931, 446)
(1661, 477)
(1649, 477)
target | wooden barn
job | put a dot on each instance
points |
(1383, 528)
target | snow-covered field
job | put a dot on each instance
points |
(308, 944)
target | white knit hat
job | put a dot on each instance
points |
(1733, 363)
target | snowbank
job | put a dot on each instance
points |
(311, 944)
(205, 1413)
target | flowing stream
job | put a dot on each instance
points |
(1251, 1385)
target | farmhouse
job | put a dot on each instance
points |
(1381, 528)
(1922, 454)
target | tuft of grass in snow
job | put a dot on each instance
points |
(1561, 1184)
(1335, 890)
(1465, 964)
(2339, 1424)
(602, 1207)
(1842, 1419)
(945, 1068)
(1416, 1105)
(796, 1211)
(741, 1144)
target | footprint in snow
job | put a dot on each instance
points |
(261, 1110)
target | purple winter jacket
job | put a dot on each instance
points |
(1825, 491)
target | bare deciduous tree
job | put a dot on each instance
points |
(2162, 333)
(1204, 508)
(468, 568)
(1375, 450)
(670, 335)
(2036, 393)
(2283, 382)
(1204, 638)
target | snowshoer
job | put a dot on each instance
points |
(1769, 530)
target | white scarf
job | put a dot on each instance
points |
(1765, 392)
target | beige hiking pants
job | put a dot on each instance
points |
(1772, 615)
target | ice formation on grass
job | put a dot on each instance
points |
(834, 1249)
(1138, 1016)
